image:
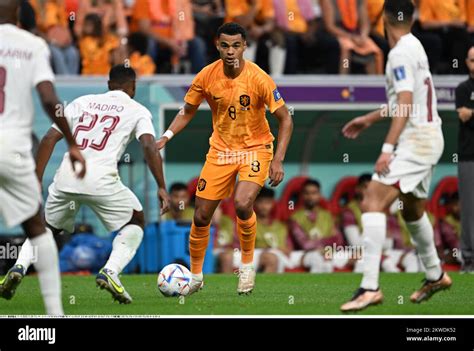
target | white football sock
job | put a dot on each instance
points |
(423, 236)
(26, 256)
(47, 266)
(124, 247)
(374, 226)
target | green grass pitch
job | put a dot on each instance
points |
(288, 294)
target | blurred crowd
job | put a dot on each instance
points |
(284, 36)
(310, 234)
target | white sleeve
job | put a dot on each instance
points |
(72, 110)
(42, 71)
(402, 72)
(144, 126)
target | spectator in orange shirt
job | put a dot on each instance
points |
(99, 50)
(447, 20)
(258, 18)
(349, 22)
(470, 20)
(52, 23)
(306, 40)
(377, 30)
(170, 25)
(137, 54)
(111, 12)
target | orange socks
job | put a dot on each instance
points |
(198, 240)
(247, 231)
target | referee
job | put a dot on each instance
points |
(465, 109)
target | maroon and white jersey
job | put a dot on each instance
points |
(408, 70)
(24, 62)
(102, 125)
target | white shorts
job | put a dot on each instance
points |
(409, 176)
(113, 210)
(20, 191)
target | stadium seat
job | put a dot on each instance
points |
(444, 188)
(343, 193)
(290, 193)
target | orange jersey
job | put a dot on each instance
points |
(470, 13)
(237, 105)
(236, 8)
(168, 18)
(446, 10)
(96, 57)
(296, 21)
(374, 10)
(49, 14)
(142, 64)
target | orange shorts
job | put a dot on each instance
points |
(218, 176)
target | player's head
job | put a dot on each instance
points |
(231, 43)
(179, 196)
(9, 11)
(138, 41)
(362, 183)
(264, 202)
(470, 61)
(453, 205)
(398, 15)
(311, 193)
(122, 77)
(92, 25)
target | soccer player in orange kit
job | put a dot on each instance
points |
(241, 144)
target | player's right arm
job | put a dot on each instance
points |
(354, 127)
(42, 80)
(183, 117)
(45, 150)
(192, 100)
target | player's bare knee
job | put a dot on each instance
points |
(243, 206)
(413, 208)
(201, 218)
(138, 218)
(34, 226)
(412, 214)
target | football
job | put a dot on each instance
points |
(174, 280)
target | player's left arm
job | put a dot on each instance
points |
(155, 164)
(399, 121)
(285, 129)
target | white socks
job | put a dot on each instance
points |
(374, 226)
(47, 267)
(124, 247)
(27, 255)
(423, 236)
